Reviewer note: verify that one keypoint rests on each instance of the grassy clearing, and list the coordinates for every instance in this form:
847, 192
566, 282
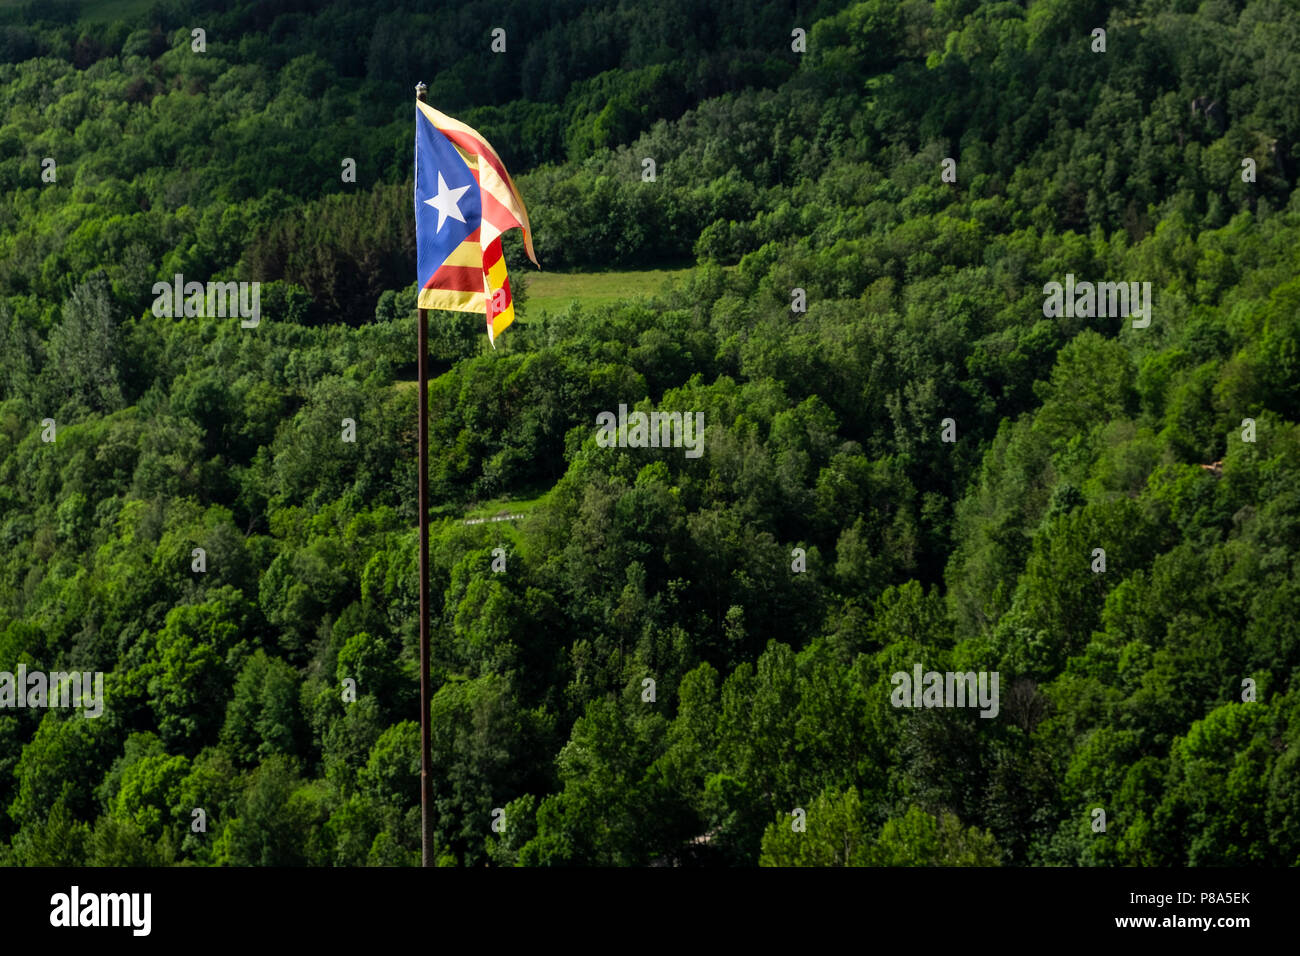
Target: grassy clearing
553, 291
506, 505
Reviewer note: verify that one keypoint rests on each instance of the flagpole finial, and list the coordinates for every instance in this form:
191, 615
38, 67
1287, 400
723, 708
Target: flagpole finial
420, 90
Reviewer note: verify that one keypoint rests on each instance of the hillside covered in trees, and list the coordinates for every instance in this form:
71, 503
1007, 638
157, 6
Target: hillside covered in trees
826, 538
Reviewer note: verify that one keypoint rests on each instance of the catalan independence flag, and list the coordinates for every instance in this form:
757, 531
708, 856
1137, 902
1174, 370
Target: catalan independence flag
464, 201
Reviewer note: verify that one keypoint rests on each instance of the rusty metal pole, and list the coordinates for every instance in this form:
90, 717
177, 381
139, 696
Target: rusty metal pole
426, 780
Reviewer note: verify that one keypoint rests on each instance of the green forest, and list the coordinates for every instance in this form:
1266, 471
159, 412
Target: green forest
678, 660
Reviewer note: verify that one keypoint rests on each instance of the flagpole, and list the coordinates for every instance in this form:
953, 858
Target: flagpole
426, 780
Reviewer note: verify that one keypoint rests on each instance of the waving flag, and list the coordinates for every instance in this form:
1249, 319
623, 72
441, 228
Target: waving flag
464, 201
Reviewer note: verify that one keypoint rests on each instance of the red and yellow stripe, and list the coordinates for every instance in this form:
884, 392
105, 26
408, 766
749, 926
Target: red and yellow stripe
496, 290
457, 285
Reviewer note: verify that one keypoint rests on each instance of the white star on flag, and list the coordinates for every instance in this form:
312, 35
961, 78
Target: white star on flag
447, 202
